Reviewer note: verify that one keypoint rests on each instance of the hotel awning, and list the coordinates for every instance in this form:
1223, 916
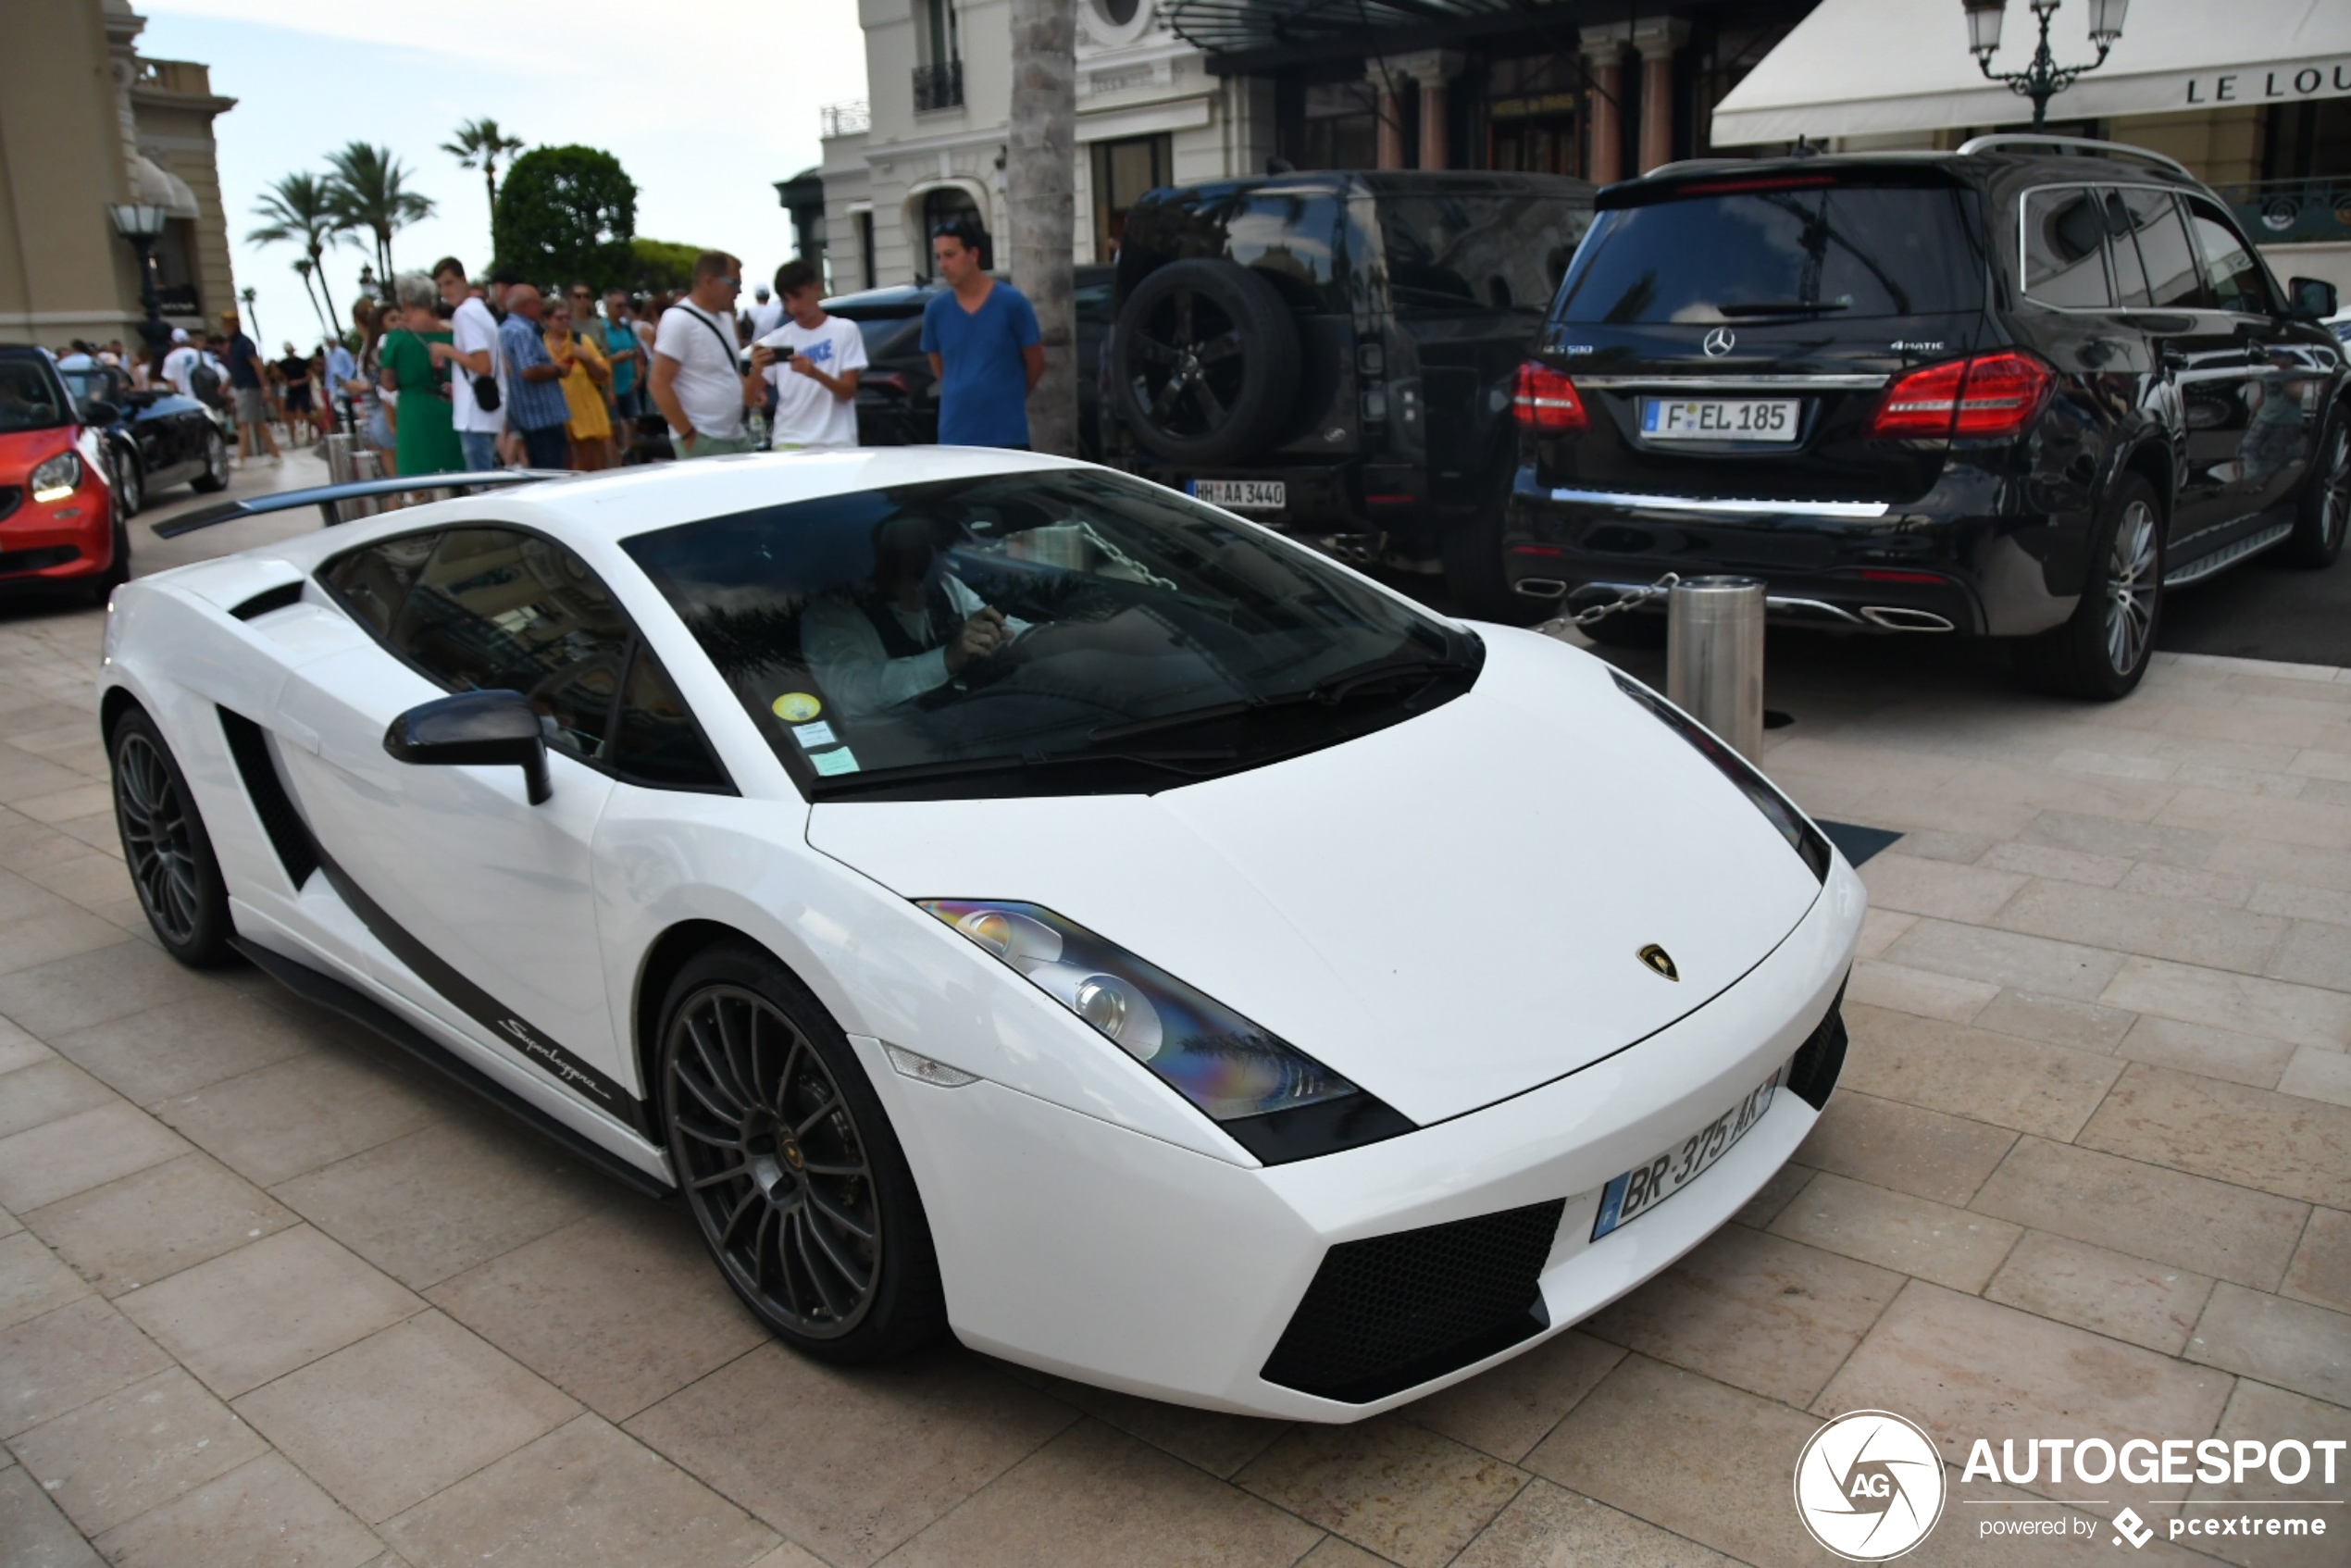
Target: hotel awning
1864, 68
1240, 36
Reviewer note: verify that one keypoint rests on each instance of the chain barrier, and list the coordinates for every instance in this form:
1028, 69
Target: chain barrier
1630, 598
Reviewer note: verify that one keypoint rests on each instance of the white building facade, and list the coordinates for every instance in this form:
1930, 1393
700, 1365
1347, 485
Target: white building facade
930, 141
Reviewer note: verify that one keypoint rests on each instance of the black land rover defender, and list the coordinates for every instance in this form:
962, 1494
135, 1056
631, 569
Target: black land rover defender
2022, 389
1334, 354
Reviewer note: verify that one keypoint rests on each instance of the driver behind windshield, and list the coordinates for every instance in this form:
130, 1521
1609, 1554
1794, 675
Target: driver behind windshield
916, 629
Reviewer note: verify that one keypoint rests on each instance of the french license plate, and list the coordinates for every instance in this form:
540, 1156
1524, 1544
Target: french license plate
1646, 1186
1241, 496
1719, 418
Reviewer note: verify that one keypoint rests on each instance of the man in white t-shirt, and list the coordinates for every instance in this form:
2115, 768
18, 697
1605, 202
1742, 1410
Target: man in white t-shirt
817, 384
698, 380
179, 362
474, 352
767, 311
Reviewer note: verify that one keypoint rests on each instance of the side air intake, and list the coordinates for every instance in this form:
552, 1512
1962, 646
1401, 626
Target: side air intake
289, 835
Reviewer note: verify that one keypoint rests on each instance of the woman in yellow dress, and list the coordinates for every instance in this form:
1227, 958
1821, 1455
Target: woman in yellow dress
586, 371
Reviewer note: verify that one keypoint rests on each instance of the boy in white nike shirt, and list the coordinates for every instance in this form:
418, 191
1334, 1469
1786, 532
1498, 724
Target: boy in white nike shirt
816, 386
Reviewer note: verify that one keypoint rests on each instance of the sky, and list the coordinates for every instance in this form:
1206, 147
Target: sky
705, 104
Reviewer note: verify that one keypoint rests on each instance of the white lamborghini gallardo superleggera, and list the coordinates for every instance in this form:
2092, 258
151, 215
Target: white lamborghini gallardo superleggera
999, 895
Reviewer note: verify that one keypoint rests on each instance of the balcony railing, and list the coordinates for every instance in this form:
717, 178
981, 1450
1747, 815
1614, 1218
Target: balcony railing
851, 118
2283, 211
939, 87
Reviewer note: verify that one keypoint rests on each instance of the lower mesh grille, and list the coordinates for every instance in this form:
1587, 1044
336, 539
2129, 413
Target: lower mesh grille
1389, 1311
1813, 1070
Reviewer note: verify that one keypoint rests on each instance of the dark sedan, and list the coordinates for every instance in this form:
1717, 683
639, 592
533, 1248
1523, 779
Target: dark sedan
154, 439
897, 403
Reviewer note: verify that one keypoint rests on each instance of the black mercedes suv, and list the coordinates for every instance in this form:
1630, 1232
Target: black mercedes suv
2017, 391
1333, 353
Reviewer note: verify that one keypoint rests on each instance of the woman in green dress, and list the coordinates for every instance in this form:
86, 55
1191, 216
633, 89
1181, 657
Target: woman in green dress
416, 365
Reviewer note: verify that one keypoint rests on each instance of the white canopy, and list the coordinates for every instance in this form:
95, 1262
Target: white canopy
1862, 68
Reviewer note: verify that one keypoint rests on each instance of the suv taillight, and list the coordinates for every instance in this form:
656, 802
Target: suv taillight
1992, 394
1546, 400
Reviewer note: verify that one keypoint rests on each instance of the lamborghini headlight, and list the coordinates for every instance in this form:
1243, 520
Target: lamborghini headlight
57, 477
1275, 1100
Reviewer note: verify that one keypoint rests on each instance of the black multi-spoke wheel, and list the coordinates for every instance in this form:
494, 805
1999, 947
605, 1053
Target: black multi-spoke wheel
2323, 512
1206, 362
788, 1164
2103, 650
164, 845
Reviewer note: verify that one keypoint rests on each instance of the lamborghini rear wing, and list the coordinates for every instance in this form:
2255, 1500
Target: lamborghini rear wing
325, 497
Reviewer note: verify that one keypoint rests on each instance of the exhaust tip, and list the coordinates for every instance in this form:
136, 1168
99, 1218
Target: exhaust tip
1541, 587
1898, 617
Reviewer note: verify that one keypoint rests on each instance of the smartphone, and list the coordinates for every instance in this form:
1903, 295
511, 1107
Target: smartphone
778, 351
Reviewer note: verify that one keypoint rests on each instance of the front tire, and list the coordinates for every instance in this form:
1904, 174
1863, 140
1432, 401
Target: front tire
214, 477
2322, 513
2102, 651
164, 845
130, 484
789, 1164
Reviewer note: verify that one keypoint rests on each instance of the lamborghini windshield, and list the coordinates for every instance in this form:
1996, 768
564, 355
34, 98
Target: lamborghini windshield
1068, 631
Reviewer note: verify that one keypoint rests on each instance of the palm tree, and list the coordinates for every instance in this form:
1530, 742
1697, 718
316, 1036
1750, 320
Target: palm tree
369, 189
304, 267
302, 208
478, 144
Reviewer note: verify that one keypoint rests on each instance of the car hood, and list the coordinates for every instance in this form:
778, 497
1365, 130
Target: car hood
1447, 911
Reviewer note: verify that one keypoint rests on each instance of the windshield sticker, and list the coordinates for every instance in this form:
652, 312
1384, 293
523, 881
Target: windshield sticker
796, 708
812, 736
831, 762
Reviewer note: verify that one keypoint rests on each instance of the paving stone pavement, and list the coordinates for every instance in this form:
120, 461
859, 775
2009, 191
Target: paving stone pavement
268, 1296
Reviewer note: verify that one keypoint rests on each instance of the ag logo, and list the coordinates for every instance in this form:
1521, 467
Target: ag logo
1869, 1485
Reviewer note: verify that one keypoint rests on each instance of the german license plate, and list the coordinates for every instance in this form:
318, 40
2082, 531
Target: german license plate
1241, 496
1719, 418
1646, 1186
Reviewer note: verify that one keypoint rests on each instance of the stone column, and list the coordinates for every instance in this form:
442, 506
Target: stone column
1658, 38
1391, 118
1603, 52
1435, 70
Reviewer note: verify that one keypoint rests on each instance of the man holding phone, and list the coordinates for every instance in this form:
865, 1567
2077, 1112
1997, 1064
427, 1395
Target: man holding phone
812, 360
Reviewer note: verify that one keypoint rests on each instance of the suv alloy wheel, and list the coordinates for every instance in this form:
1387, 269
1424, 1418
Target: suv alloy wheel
2102, 651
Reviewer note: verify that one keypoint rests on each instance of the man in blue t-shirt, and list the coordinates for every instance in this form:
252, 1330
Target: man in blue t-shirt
982, 340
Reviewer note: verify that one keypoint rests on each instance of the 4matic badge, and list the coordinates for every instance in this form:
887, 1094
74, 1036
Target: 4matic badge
1869, 1485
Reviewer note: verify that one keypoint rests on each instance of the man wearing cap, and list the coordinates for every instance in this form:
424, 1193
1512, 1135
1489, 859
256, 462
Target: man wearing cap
245, 380
180, 363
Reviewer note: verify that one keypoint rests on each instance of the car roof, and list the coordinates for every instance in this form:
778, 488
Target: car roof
2025, 161
622, 503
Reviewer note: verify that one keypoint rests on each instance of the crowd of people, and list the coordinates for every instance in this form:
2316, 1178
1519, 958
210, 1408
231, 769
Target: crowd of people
450, 374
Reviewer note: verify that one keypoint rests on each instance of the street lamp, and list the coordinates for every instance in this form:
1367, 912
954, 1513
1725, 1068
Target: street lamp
2043, 79
142, 225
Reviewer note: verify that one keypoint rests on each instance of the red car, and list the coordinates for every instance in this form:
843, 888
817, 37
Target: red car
57, 522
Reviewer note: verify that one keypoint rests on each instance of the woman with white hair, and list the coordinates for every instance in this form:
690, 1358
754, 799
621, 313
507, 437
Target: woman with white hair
415, 362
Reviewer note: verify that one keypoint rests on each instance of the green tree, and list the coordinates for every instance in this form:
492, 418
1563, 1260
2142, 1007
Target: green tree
566, 213
661, 266
478, 144
302, 208
369, 189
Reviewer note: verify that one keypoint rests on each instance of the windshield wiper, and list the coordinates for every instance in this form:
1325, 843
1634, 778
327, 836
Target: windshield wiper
1780, 307
888, 778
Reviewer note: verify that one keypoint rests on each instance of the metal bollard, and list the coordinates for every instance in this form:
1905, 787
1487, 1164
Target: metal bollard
365, 465
339, 447
1715, 657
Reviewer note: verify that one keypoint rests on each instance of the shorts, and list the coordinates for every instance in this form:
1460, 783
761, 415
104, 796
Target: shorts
251, 409
718, 446
629, 405
378, 429
298, 399
549, 448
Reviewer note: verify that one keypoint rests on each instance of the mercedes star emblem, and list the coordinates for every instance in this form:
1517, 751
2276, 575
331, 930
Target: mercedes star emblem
1720, 341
